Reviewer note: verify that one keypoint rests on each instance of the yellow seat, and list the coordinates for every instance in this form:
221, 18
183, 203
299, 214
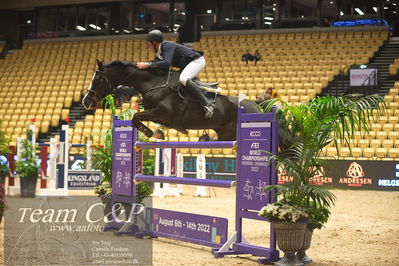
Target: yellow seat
381, 152
331, 152
388, 143
375, 143
368, 152
356, 152
382, 135
344, 152
393, 153
393, 135
388, 127
363, 143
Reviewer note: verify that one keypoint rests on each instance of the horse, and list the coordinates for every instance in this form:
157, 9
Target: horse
162, 102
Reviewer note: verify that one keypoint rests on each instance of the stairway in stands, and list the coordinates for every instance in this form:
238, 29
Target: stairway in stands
76, 113
382, 59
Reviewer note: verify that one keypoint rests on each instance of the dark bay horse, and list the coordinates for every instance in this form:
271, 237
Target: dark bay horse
162, 104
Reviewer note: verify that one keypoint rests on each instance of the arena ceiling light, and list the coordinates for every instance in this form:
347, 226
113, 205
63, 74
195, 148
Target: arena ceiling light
94, 27
269, 18
359, 11
78, 27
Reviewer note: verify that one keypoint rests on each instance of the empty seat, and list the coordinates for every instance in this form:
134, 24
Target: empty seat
368, 153
381, 152
356, 152
393, 153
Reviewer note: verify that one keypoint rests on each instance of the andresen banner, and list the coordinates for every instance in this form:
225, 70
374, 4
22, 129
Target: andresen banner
353, 174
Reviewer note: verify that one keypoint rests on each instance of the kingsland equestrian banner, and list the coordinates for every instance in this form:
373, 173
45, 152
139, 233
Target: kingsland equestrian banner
352, 174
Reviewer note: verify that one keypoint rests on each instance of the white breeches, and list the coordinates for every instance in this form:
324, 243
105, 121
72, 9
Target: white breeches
192, 70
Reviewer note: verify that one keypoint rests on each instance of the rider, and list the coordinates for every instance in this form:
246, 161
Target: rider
177, 55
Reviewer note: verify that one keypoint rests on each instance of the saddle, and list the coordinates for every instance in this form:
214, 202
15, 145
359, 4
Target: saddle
210, 90
212, 87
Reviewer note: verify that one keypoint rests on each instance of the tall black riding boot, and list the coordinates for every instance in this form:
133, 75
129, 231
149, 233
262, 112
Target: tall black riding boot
208, 106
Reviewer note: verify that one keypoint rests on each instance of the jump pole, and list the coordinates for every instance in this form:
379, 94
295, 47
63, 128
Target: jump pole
255, 132
57, 185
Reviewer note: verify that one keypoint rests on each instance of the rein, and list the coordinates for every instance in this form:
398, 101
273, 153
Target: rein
166, 85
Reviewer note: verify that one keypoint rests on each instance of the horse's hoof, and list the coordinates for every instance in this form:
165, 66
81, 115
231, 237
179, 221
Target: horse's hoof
158, 134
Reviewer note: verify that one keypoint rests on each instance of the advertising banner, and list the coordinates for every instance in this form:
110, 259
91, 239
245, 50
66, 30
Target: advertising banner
122, 163
357, 174
360, 77
189, 227
216, 167
83, 179
353, 174
254, 165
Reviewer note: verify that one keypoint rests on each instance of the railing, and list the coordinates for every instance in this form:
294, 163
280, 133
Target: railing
341, 88
371, 78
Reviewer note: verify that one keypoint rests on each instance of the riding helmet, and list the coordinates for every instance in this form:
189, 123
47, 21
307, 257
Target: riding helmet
155, 35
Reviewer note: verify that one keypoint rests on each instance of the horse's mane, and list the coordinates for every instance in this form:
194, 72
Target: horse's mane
120, 63
124, 64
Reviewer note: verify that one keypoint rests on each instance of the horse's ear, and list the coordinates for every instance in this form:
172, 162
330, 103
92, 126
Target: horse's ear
100, 64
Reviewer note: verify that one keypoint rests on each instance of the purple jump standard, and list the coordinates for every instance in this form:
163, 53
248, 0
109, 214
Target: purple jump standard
256, 132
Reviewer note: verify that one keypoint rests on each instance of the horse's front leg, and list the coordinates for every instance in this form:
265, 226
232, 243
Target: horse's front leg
153, 115
143, 128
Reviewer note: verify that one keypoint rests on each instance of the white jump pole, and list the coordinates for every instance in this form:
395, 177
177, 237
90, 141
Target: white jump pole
157, 186
16, 190
179, 171
89, 152
201, 174
32, 128
166, 190
166, 166
51, 189
63, 160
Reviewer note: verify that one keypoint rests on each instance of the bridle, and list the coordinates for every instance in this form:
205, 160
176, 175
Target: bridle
104, 77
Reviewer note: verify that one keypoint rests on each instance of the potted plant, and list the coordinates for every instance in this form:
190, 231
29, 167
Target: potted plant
305, 130
4, 151
27, 167
289, 221
102, 160
3, 203
4, 169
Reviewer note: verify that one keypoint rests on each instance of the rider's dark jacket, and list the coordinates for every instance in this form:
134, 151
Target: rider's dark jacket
175, 55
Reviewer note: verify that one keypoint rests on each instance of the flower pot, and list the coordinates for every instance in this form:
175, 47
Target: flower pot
290, 240
301, 255
28, 186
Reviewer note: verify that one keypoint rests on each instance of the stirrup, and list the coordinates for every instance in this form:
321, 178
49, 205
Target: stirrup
209, 111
